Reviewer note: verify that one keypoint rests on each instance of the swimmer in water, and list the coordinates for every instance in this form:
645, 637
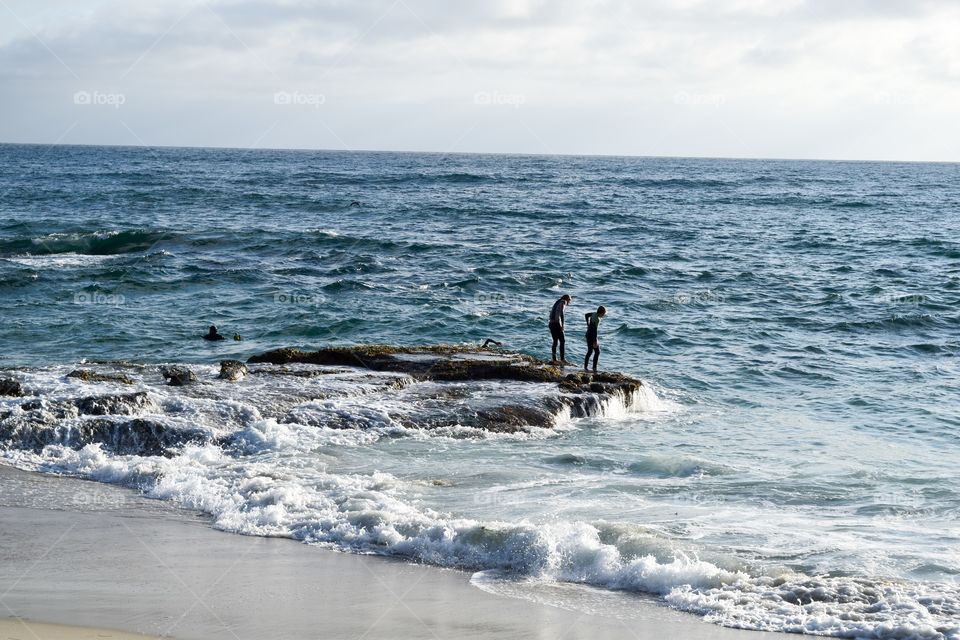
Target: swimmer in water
593, 340
212, 335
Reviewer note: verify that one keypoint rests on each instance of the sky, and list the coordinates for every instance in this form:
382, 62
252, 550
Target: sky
829, 79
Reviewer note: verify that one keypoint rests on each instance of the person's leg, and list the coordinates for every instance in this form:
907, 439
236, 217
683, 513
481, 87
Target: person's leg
557, 334
586, 359
563, 347
596, 356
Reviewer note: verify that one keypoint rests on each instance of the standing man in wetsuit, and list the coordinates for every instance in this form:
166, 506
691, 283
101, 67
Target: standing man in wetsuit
593, 340
556, 327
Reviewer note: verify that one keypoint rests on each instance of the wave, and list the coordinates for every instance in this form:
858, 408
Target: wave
367, 514
940, 248
329, 238
59, 261
96, 243
681, 183
633, 271
667, 466
787, 603
931, 245
895, 322
341, 285
852, 204
789, 372
646, 333
461, 177
654, 465
838, 606
320, 179
889, 273
246, 454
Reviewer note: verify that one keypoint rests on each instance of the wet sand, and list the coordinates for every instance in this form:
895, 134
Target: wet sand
19, 629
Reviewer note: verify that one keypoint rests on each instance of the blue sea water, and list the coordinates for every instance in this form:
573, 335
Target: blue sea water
798, 321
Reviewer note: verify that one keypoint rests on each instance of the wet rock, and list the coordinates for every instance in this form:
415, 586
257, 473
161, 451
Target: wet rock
127, 404
47, 411
578, 395
232, 370
296, 373
88, 375
454, 363
177, 376
42, 411
513, 418
11, 387
443, 362
140, 436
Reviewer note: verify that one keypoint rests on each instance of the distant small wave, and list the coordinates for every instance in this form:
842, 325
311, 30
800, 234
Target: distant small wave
96, 243
852, 204
342, 178
333, 239
461, 177
936, 247
677, 183
893, 323
634, 272
640, 332
347, 285
667, 466
796, 372
656, 466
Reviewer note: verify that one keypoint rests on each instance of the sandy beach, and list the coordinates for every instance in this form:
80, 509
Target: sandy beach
123, 562
17, 629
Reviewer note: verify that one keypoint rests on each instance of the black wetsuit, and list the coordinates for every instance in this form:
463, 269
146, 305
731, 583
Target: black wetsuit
213, 336
593, 339
556, 328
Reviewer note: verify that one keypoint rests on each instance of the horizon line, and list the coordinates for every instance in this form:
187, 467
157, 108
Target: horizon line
474, 153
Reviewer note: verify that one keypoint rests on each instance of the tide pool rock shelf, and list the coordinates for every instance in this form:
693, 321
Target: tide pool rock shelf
157, 410
542, 393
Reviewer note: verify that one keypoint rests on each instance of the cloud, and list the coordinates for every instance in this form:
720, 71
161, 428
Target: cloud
722, 78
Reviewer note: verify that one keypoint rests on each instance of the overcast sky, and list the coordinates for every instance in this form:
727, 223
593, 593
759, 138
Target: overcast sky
849, 79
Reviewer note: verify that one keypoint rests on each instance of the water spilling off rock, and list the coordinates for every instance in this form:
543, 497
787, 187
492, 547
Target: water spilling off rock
136, 409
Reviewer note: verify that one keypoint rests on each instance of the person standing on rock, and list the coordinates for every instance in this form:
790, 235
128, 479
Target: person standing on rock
556, 327
593, 339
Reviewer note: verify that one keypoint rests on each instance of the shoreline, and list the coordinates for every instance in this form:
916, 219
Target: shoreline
121, 561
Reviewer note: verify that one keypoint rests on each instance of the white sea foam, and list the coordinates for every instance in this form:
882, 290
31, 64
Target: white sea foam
367, 513
644, 400
59, 260
278, 477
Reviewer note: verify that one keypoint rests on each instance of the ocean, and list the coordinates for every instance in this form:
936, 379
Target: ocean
791, 465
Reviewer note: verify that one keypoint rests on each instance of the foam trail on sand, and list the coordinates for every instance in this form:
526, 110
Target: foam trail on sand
264, 456
369, 514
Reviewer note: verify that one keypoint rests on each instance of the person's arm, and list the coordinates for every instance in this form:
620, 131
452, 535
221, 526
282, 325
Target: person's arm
586, 317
